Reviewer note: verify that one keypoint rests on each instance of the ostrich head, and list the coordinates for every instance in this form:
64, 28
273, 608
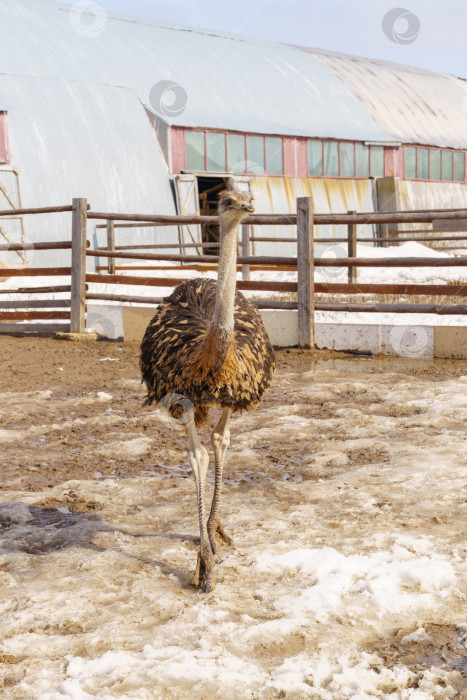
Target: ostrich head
235, 206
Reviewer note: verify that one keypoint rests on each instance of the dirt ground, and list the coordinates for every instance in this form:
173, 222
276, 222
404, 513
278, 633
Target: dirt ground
358, 458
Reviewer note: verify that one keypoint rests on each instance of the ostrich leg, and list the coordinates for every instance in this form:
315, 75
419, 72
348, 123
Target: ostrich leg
220, 442
199, 460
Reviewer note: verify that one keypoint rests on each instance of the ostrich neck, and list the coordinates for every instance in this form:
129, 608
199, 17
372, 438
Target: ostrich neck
223, 317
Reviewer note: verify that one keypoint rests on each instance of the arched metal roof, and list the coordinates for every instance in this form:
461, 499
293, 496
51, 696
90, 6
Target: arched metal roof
233, 82
417, 105
230, 82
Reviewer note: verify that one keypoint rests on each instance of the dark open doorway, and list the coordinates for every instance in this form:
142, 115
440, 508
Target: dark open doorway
209, 188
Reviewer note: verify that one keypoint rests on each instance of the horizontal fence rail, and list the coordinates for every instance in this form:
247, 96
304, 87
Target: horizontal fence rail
37, 290
37, 210
171, 220
29, 315
72, 310
291, 262
393, 308
271, 239
61, 245
399, 289
287, 219
35, 304
35, 271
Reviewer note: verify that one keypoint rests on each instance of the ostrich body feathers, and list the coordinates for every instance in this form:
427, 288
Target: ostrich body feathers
182, 353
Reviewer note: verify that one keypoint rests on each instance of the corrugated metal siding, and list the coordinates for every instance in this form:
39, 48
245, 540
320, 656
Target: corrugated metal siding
415, 194
416, 105
278, 196
406, 195
85, 141
11, 230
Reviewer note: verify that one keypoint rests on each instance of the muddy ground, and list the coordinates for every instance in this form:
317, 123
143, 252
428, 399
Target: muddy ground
350, 457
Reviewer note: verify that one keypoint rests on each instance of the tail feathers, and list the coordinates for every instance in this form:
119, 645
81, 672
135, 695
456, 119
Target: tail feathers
179, 407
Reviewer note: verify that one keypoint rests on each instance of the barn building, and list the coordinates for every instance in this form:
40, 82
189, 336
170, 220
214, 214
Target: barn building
139, 116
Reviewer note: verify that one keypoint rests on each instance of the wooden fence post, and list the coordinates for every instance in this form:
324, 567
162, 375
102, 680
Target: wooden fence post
245, 250
305, 273
352, 249
111, 245
78, 266
386, 235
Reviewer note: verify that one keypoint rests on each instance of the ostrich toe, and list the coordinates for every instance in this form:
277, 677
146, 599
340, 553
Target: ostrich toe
204, 574
217, 533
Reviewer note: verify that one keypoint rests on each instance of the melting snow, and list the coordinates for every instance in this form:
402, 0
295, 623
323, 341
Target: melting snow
95, 601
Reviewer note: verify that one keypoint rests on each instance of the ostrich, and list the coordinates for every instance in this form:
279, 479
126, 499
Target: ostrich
207, 345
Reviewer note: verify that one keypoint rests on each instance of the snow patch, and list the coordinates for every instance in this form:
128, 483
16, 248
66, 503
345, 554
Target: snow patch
383, 583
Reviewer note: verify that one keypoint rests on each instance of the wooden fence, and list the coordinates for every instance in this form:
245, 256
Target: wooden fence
305, 262
54, 311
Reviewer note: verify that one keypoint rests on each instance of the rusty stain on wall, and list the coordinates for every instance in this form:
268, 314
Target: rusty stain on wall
278, 195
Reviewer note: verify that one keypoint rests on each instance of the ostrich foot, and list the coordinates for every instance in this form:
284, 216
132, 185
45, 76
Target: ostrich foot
204, 574
217, 532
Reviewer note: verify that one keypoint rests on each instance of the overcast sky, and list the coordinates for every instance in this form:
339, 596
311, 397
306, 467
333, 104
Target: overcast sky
426, 33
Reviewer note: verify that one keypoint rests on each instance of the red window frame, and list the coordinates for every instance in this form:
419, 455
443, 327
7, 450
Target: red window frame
241, 133
339, 164
4, 150
397, 158
429, 149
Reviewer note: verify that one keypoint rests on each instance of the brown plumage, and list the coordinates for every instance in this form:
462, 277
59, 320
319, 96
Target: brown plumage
176, 356
207, 345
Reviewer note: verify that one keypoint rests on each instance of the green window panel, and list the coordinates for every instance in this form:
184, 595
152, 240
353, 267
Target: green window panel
347, 155
410, 162
236, 153
331, 158
216, 152
274, 156
194, 151
315, 157
422, 164
447, 165
377, 160
459, 167
362, 158
435, 164
255, 149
